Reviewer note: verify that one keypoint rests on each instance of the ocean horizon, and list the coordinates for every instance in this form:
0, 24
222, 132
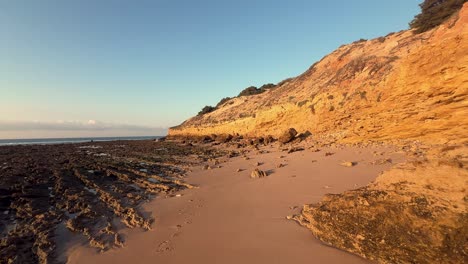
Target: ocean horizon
50, 141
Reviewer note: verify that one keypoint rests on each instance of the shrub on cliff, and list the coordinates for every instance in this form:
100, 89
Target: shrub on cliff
252, 90
267, 86
225, 99
207, 109
434, 13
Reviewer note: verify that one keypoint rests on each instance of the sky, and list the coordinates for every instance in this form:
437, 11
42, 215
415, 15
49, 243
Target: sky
131, 68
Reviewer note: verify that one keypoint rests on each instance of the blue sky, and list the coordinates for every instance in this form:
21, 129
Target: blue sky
152, 64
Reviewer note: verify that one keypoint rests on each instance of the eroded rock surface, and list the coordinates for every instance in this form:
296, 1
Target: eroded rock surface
85, 187
414, 213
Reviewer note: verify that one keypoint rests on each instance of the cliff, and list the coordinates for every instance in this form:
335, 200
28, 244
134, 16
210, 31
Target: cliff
406, 89
401, 86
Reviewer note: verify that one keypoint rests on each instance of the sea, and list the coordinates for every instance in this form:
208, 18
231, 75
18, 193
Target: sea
48, 141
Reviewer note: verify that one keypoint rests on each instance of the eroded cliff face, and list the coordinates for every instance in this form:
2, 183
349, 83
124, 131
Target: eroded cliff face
401, 86
404, 89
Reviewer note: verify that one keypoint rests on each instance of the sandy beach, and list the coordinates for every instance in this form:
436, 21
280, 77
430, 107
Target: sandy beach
232, 218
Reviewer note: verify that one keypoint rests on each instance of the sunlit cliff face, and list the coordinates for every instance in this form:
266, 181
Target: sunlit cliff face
401, 86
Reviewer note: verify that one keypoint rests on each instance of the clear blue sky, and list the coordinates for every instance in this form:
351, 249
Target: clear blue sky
155, 63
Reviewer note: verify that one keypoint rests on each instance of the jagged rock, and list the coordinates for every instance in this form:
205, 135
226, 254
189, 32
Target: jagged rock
348, 163
224, 138
287, 136
258, 174
269, 139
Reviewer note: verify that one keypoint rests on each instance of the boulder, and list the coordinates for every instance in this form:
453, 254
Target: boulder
287, 136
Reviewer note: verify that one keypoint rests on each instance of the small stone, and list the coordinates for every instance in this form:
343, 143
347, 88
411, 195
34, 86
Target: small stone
348, 163
295, 149
280, 165
258, 174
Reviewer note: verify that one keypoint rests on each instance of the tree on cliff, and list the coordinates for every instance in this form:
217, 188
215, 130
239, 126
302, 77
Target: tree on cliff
434, 13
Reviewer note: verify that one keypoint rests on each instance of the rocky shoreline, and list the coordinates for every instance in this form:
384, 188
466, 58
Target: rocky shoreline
86, 187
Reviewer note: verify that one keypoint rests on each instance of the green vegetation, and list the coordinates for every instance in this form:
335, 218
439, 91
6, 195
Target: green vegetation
207, 109
225, 99
434, 13
252, 90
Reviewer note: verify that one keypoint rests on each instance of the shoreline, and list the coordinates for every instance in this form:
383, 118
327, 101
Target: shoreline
76, 140
232, 218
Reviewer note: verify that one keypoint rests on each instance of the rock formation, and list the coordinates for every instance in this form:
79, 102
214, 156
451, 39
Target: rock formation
404, 89
401, 86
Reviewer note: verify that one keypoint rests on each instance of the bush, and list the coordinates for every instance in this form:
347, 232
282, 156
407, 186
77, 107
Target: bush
252, 90
267, 86
434, 13
225, 99
207, 109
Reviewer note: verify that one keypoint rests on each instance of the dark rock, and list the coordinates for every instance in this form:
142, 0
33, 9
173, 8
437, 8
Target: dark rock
224, 138
287, 136
269, 139
304, 135
259, 140
295, 149
162, 139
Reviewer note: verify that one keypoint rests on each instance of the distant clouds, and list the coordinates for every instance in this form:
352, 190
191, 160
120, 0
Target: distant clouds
90, 128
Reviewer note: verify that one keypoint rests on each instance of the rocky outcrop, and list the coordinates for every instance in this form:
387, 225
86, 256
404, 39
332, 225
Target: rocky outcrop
85, 188
415, 213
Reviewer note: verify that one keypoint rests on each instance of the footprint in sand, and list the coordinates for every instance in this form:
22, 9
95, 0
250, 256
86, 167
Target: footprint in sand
165, 246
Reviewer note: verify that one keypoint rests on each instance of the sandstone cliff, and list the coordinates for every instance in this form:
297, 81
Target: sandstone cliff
401, 86
406, 89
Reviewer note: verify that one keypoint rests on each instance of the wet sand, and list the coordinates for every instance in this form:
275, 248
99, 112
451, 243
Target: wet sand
232, 218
